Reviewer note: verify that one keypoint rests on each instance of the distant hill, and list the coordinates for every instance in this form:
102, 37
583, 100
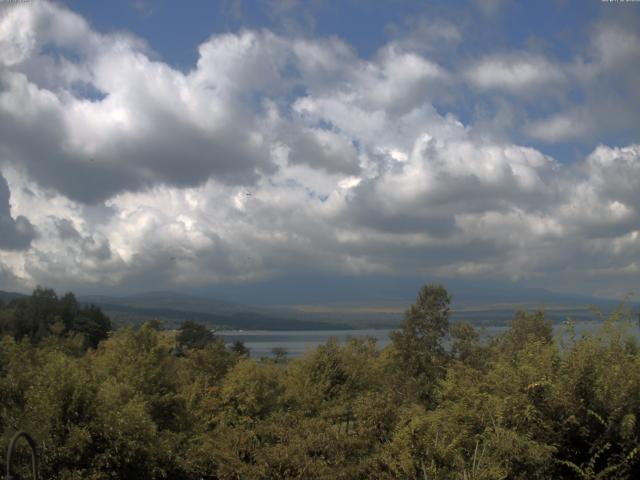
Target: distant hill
489, 315
168, 300
380, 301
8, 296
388, 291
471, 303
173, 308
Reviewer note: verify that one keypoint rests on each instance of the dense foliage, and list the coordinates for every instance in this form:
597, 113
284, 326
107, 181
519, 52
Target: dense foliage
44, 314
440, 402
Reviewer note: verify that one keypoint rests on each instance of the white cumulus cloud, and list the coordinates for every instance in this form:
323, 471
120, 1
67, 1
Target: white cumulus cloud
277, 155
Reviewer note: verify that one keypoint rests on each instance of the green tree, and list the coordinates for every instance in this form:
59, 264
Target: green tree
194, 335
466, 346
279, 354
418, 345
526, 327
239, 348
44, 314
92, 324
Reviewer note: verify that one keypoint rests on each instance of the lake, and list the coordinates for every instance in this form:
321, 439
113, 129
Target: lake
297, 342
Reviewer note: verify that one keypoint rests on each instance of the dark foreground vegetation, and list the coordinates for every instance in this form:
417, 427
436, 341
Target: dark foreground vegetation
146, 403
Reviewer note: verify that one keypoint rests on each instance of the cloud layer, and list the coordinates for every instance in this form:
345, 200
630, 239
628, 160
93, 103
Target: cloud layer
277, 155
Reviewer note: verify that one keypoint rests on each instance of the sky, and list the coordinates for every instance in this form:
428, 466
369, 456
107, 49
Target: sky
205, 145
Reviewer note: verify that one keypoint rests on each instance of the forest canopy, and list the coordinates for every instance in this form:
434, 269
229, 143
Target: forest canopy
44, 314
441, 401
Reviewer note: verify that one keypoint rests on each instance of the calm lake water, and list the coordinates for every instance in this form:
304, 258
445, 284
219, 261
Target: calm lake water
297, 342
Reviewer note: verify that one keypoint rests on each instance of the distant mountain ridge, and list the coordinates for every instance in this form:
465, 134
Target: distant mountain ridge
470, 303
167, 300
387, 291
8, 296
173, 308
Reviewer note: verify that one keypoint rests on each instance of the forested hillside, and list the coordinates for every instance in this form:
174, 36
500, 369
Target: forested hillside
147, 403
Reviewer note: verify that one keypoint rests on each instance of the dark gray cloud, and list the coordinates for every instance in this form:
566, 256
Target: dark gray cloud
324, 150
168, 150
66, 229
15, 233
8, 280
89, 246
